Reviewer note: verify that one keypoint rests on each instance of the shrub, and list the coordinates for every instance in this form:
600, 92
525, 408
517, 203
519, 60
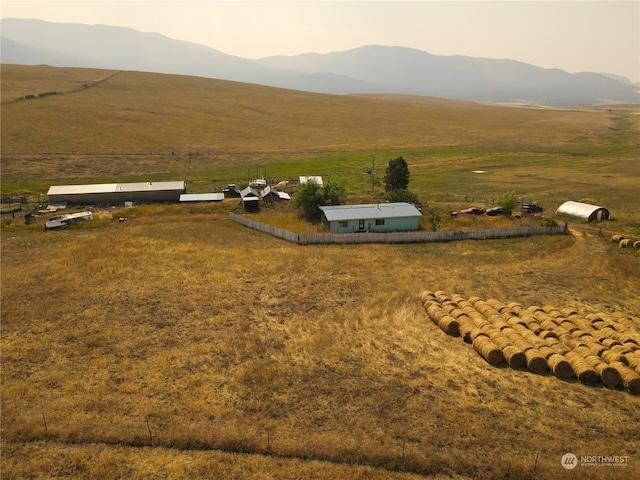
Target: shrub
548, 222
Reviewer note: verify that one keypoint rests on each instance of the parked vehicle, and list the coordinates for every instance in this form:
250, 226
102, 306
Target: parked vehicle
492, 212
531, 208
473, 211
231, 191
60, 221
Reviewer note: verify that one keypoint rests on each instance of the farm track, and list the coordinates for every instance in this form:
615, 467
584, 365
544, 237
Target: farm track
595, 348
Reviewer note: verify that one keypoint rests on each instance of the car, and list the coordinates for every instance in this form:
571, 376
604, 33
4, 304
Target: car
531, 208
473, 211
492, 212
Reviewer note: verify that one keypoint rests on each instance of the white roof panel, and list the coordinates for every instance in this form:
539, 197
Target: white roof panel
82, 189
202, 197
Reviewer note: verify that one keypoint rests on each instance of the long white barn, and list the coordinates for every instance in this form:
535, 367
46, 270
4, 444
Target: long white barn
117, 192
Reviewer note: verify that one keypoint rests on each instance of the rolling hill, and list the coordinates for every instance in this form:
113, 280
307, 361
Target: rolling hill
369, 69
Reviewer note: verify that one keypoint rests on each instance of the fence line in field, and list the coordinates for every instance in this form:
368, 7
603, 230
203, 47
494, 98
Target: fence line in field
397, 237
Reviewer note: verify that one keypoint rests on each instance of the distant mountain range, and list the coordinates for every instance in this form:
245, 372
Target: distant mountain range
368, 69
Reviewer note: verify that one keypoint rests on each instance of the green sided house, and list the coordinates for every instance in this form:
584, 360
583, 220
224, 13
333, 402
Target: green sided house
375, 217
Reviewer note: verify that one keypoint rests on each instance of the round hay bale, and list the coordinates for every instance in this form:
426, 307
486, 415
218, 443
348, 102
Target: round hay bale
465, 331
609, 376
488, 350
551, 310
625, 338
435, 312
496, 305
567, 311
548, 324
630, 378
610, 356
484, 308
477, 332
534, 308
456, 297
636, 244
548, 334
479, 321
626, 243
521, 344
596, 348
558, 347
582, 350
582, 370
608, 342
560, 367
568, 326
514, 357
426, 296
500, 340
616, 238
450, 325
545, 351
473, 299
513, 321
515, 307
535, 362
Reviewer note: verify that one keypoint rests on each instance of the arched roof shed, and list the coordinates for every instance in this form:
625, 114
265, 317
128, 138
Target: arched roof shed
583, 210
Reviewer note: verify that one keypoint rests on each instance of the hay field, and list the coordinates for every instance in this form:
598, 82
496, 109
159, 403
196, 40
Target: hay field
227, 339
180, 344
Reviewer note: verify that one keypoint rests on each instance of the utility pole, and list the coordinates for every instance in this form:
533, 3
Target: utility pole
373, 169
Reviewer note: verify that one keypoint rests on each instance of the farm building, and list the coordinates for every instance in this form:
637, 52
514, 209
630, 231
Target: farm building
315, 179
117, 192
269, 194
383, 217
583, 210
250, 199
202, 197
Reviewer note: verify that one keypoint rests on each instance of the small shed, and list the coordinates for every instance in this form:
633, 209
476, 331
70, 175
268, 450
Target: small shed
375, 217
584, 211
270, 194
250, 199
314, 178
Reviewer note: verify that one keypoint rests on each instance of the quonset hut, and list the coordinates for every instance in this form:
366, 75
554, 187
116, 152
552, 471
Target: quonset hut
584, 211
117, 192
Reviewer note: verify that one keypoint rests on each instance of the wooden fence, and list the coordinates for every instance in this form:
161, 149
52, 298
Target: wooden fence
398, 237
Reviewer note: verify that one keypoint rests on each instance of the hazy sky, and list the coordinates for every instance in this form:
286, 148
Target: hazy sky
576, 36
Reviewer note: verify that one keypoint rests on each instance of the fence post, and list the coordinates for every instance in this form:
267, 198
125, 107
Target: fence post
46, 430
149, 429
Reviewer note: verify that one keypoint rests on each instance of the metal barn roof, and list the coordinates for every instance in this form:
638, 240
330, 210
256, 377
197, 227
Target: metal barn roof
115, 188
369, 211
202, 197
583, 210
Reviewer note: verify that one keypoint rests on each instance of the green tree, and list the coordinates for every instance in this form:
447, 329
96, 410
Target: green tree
397, 175
310, 196
508, 201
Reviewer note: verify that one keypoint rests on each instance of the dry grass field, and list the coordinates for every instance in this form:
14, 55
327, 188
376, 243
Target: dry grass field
179, 344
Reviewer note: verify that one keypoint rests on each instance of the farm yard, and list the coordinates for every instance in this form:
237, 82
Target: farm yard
181, 344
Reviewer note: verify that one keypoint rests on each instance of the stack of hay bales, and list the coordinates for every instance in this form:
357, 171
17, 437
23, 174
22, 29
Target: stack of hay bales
592, 347
624, 242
